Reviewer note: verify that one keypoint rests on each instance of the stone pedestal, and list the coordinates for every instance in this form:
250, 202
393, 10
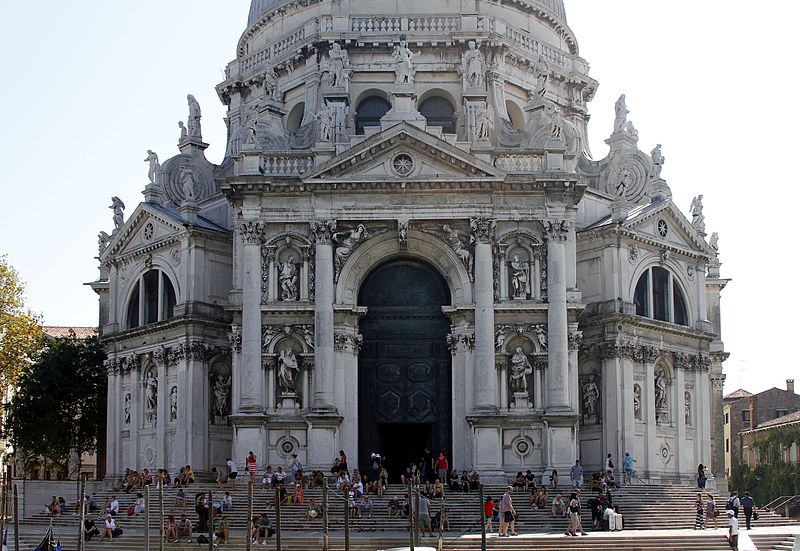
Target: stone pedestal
288, 401
522, 402
404, 110
270, 132
188, 211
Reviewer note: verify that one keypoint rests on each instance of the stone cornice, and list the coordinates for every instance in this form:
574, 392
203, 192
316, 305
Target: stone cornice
631, 320
173, 323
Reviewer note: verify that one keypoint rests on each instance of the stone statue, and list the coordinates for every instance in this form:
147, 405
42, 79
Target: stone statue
404, 67
187, 183
103, 239
402, 231
151, 398
118, 207
481, 124
620, 114
251, 131
184, 132
222, 387
658, 161
687, 408
473, 65
661, 391
542, 75
500, 335
347, 241
127, 412
155, 166
308, 337
541, 335
520, 369
173, 403
193, 123
340, 60
637, 401
631, 130
556, 124
590, 396
520, 277
288, 279
271, 90
453, 238
325, 124
698, 220
287, 371
624, 182
713, 242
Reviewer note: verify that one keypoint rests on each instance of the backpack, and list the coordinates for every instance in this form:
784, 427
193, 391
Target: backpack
730, 502
202, 539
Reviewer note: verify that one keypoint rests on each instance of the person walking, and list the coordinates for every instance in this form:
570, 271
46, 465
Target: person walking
699, 507
488, 512
749, 505
628, 466
733, 504
701, 476
711, 511
733, 530
576, 474
507, 513
251, 463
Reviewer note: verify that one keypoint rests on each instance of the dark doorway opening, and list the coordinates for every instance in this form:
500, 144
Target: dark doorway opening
404, 365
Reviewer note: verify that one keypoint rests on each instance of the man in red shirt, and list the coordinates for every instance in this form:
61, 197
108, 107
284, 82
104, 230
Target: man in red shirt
442, 467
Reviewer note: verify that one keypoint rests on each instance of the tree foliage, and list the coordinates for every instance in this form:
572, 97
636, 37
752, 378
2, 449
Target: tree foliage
20, 331
59, 405
774, 477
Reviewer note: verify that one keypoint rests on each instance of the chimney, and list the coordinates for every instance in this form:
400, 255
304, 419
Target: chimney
790, 385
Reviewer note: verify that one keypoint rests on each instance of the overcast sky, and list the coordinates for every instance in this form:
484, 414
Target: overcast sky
90, 85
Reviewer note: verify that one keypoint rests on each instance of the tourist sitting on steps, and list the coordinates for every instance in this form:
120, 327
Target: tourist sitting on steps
519, 481
313, 511
90, 529
171, 529
110, 529
559, 509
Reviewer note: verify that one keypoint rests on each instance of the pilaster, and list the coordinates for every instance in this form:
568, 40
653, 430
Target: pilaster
484, 361
250, 380
557, 352
323, 317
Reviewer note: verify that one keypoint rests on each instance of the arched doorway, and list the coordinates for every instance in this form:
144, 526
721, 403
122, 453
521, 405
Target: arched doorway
404, 369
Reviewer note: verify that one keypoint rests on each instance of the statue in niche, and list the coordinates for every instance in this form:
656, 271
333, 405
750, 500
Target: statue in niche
520, 369
637, 401
453, 238
620, 114
481, 124
590, 396
347, 241
473, 65
658, 161
184, 132
541, 335
325, 124
340, 60
151, 398
173, 403
288, 279
660, 384
103, 239
624, 182
687, 408
127, 411
154, 166
287, 371
404, 63
193, 124
542, 75
520, 277
186, 174
714, 241
222, 388
118, 207
698, 220
270, 82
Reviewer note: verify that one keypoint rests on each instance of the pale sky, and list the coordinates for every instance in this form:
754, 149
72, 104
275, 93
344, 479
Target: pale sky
90, 85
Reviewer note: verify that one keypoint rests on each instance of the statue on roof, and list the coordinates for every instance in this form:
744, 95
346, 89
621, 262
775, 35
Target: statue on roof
620, 114
473, 65
155, 166
103, 239
193, 123
713, 242
118, 207
187, 183
698, 220
184, 132
404, 69
542, 75
658, 162
271, 90
339, 61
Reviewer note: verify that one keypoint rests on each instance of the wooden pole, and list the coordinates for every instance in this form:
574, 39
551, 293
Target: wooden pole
278, 518
249, 539
325, 514
82, 514
16, 519
3, 509
416, 516
210, 521
411, 526
483, 520
442, 511
347, 519
161, 534
147, 517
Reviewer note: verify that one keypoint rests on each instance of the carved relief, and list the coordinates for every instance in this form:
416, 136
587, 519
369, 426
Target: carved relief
557, 230
251, 231
346, 242
348, 341
235, 338
323, 230
300, 332
453, 237
483, 229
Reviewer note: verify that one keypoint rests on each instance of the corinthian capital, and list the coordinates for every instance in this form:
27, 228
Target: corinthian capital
323, 230
556, 230
483, 229
251, 232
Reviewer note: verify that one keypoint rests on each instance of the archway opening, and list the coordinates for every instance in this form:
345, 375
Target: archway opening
404, 365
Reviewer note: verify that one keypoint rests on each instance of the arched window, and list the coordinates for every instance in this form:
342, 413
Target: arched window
370, 111
439, 112
658, 296
515, 115
152, 300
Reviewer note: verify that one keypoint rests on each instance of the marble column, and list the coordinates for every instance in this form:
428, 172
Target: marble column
679, 419
651, 462
557, 348
323, 316
485, 375
115, 418
250, 379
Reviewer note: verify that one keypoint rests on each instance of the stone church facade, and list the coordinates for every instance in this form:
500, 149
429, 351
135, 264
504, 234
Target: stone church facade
408, 244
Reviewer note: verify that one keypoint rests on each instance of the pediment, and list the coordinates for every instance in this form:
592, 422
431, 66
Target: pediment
149, 228
666, 225
404, 154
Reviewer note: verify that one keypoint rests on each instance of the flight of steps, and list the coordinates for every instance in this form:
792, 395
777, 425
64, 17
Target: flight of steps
773, 542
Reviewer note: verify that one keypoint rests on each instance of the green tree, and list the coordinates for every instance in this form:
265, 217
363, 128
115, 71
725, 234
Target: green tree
59, 405
20, 331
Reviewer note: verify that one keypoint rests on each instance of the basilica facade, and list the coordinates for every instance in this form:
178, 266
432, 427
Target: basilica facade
408, 245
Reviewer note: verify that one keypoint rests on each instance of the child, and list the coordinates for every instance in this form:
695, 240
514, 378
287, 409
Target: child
488, 513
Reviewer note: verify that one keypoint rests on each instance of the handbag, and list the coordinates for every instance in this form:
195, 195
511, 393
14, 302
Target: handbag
755, 515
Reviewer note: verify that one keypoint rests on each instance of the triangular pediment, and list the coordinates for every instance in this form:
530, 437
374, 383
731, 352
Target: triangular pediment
406, 154
665, 224
149, 227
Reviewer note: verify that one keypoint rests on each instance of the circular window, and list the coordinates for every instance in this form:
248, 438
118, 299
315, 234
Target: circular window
149, 231
287, 446
403, 164
662, 228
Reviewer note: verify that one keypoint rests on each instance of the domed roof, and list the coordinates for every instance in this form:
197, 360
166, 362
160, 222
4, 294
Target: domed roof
260, 7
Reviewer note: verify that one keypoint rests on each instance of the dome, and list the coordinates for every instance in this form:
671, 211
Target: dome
260, 7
